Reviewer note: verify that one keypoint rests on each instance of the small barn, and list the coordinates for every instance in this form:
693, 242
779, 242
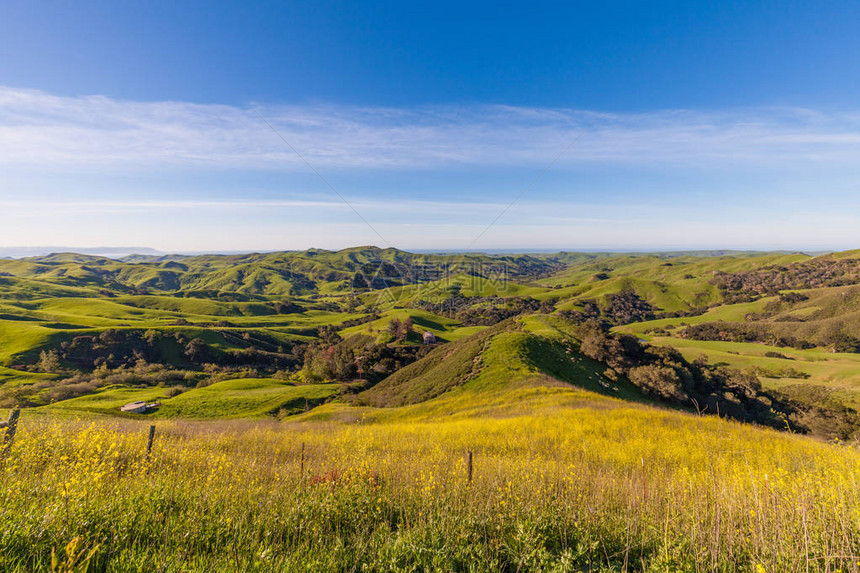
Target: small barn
429, 338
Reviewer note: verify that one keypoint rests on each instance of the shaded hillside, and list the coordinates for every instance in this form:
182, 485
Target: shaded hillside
825, 317
446, 367
545, 350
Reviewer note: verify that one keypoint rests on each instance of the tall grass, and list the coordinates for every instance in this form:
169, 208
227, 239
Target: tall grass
587, 489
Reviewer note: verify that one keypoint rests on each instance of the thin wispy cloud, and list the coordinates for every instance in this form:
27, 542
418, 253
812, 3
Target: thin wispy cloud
404, 206
37, 128
187, 176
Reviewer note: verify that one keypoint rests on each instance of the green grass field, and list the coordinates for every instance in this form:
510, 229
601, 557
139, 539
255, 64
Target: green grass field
562, 479
243, 398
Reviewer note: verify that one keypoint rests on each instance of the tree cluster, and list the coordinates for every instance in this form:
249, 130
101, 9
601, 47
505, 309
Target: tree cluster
400, 329
486, 311
356, 357
114, 348
663, 373
814, 273
624, 307
742, 332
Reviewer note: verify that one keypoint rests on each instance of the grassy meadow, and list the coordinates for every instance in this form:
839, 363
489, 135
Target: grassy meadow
563, 480
242, 398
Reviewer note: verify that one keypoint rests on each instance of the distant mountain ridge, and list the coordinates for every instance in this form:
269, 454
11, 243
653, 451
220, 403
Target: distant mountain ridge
110, 252
147, 254
277, 274
318, 271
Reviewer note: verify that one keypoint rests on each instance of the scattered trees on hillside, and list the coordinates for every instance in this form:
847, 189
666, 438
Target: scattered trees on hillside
114, 348
663, 373
485, 311
833, 336
840, 341
623, 307
626, 307
81, 383
285, 307
814, 273
400, 329
356, 357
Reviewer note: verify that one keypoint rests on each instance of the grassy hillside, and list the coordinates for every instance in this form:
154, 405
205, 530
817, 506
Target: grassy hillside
531, 351
243, 398
262, 275
446, 367
64, 316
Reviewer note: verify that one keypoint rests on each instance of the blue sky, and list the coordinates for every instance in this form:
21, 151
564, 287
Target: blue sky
614, 125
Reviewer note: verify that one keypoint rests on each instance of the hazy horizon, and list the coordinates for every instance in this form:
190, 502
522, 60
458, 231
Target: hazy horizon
120, 251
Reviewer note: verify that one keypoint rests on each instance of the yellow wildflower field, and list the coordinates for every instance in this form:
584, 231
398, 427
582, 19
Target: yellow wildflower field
567, 482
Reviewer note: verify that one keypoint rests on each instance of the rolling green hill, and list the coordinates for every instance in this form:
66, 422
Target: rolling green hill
71, 325
243, 398
533, 350
293, 273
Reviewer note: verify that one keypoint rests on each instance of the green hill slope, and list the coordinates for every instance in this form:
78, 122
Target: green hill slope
545, 351
244, 398
534, 350
291, 273
267, 313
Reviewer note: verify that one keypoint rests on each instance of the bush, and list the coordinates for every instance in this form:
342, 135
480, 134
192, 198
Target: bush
660, 381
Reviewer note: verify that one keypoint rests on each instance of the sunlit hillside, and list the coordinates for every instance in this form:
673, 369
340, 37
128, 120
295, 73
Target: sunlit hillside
562, 479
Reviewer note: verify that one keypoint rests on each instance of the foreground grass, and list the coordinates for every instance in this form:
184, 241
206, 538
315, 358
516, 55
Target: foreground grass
592, 487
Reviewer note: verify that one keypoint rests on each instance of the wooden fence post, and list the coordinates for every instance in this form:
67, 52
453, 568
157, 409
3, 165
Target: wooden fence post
469, 466
302, 463
11, 428
149, 441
